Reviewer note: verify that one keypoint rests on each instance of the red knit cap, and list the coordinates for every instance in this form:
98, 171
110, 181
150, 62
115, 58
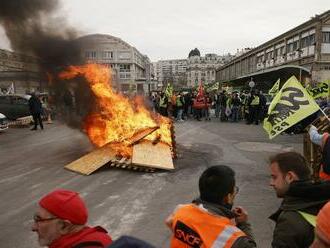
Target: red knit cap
66, 205
323, 220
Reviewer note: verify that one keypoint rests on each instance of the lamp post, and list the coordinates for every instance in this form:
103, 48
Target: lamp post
251, 84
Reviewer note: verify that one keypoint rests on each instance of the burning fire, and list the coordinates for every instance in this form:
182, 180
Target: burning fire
118, 118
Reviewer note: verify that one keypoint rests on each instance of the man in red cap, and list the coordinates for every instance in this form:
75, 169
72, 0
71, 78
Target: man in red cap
61, 223
322, 230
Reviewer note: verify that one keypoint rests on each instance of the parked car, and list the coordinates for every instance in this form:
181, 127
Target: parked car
3, 122
15, 106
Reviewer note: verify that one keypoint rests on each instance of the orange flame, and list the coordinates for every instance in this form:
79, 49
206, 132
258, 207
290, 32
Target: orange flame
118, 118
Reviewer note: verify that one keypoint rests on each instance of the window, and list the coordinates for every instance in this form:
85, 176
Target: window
325, 37
90, 54
124, 68
312, 40
295, 45
269, 55
20, 100
107, 54
289, 47
304, 42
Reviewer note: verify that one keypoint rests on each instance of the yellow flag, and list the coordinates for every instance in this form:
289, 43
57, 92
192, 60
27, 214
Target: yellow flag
169, 90
321, 90
276, 87
210, 88
291, 104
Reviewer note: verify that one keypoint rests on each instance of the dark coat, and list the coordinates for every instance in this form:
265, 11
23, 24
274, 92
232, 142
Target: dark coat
292, 230
129, 242
35, 105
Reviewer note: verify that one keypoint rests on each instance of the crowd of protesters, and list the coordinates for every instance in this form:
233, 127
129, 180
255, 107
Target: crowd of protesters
250, 107
211, 219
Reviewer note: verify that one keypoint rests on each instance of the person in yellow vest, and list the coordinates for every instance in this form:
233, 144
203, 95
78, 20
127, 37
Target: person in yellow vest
210, 221
179, 107
303, 198
254, 108
324, 142
322, 229
163, 101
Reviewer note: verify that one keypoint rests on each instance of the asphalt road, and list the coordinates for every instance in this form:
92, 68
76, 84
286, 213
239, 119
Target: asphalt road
129, 202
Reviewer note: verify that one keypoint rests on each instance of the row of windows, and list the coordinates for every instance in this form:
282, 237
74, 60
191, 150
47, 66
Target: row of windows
290, 47
107, 55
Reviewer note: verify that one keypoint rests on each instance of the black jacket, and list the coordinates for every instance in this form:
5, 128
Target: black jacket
130, 242
35, 105
241, 242
292, 230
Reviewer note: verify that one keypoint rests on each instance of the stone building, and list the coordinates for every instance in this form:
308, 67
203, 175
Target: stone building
171, 71
203, 68
303, 51
21, 71
189, 72
131, 70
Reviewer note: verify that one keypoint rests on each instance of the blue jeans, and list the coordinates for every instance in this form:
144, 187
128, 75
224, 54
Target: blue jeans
179, 114
234, 113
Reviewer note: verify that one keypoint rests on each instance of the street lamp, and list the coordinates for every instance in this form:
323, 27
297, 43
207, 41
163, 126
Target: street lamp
252, 83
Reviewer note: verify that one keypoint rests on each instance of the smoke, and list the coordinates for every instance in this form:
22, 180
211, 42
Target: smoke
32, 27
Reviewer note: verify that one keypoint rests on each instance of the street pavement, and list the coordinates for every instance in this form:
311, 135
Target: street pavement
129, 202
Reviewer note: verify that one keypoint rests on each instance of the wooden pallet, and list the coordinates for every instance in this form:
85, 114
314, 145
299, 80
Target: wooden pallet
94, 160
126, 164
157, 156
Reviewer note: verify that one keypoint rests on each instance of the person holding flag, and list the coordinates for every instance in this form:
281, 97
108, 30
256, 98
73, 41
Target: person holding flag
199, 102
323, 141
291, 105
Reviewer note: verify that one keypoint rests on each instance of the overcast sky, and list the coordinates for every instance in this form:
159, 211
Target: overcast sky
169, 29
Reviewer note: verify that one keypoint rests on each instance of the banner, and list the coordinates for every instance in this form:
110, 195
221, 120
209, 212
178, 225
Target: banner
321, 90
291, 104
200, 93
169, 90
276, 87
199, 102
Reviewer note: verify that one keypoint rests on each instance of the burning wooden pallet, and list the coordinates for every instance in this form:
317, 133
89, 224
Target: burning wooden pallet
146, 156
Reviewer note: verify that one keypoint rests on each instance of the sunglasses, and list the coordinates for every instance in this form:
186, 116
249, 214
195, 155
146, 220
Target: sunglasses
38, 219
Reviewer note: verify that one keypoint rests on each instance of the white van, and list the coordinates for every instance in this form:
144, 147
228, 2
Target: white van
3, 122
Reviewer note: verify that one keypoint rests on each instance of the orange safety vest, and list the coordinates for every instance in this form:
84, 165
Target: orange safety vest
322, 174
193, 226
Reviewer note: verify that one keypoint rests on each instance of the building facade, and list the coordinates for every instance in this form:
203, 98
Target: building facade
171, 71
303, 51
191, 71
20, 71
131, 70
202, 69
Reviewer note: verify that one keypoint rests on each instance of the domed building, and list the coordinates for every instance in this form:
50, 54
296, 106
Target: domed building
202, 69
131, 69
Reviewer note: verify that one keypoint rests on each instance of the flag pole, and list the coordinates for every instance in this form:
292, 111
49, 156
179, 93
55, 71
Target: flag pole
325, 115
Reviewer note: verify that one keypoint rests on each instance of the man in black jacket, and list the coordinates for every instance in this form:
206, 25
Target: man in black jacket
36, 110
291, 179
